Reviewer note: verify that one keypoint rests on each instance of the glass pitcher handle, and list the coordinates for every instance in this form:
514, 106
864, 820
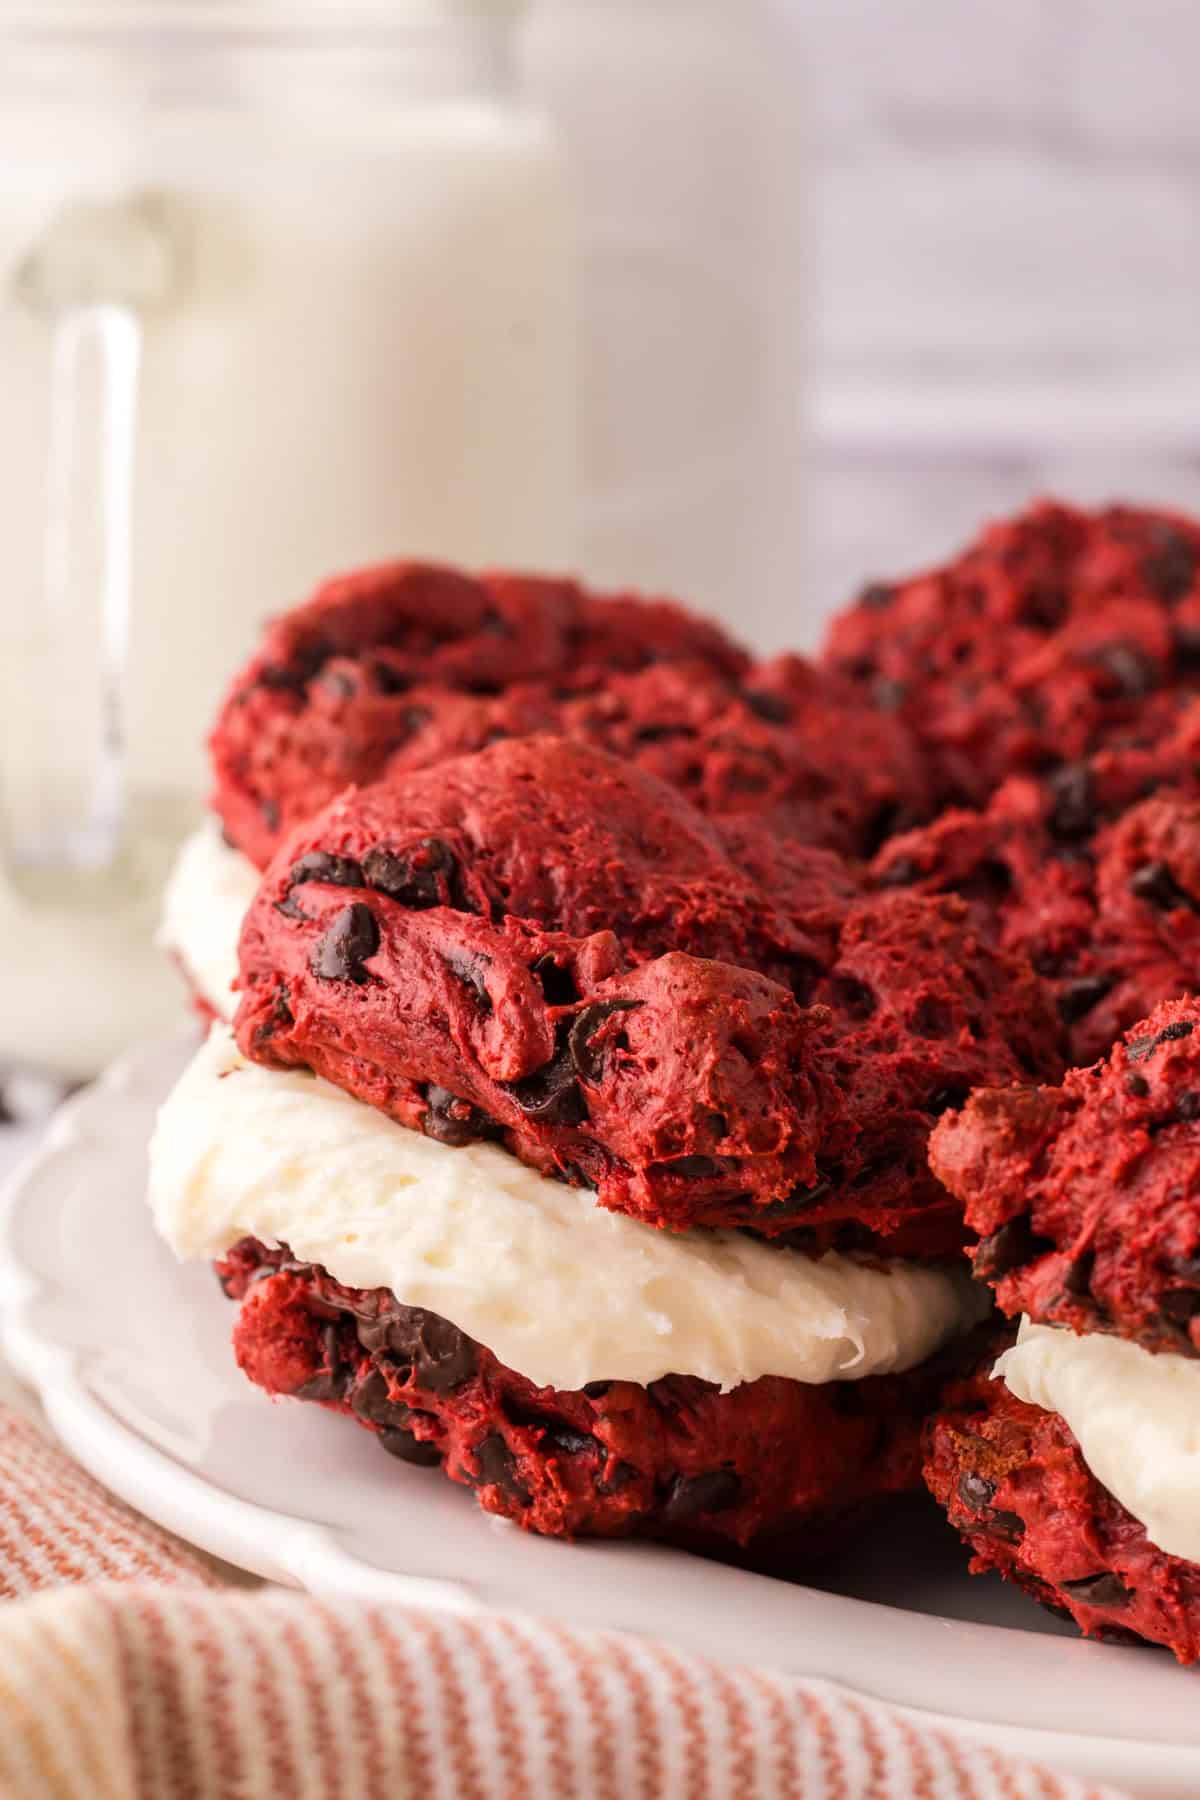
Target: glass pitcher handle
94, 276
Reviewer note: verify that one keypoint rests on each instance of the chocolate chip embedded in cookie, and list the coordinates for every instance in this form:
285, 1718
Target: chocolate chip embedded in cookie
774, 1469
1083, 1196
1053, 635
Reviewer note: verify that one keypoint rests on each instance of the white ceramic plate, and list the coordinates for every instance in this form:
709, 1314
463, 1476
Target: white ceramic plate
130, 1354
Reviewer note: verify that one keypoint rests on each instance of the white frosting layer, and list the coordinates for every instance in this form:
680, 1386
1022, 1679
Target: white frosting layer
1136, 1417
206, 899
557, 1288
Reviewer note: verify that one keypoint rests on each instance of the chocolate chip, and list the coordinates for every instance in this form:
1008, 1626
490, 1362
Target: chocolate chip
690, 1497
1008, 1526
1131, 673
853, 997
1137, 1085
1072, 802
1155, 884
551, 1094
877, 596
440, 1356
558, 984
1171, 1034
294, 676
456, 1122
319, 865
1106, 1590
1180, 1305
1011, 1247
1170, 568
371, 1400
418, 876
618, 1481
469, 970
901, 873
345, 947
597, 1390
947, 1099
771, 707
1044, 607
1187, 1106
975, 1491
573, 1443
389, 680
407, 1447
589, 1060
1077, 1277
498, 1468
1078, 998
695, 1168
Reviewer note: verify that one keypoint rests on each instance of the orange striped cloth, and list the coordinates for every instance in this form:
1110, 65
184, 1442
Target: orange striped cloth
129, 1669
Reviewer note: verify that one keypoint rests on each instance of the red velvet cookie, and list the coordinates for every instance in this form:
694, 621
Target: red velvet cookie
774, 1470
1080, 873
360, 683
1087, 1196
1053, 635
553, 948
1014, 1483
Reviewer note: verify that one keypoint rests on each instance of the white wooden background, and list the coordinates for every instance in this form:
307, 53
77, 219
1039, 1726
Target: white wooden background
1008, 236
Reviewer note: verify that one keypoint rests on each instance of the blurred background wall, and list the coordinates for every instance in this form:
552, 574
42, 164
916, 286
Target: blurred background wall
1007, 204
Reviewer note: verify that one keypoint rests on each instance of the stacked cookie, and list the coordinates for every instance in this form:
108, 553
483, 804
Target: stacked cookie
599, 993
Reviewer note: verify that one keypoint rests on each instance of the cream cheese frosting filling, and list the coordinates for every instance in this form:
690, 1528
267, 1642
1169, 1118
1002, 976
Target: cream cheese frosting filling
1135, 1415
206, 898
557, 1288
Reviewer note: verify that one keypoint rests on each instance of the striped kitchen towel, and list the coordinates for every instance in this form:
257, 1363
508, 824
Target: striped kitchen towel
129, 1667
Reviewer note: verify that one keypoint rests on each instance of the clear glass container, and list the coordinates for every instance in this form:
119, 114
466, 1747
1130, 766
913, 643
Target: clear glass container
284, 287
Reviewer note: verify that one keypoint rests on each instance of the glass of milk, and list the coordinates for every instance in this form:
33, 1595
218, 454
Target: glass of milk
285, 286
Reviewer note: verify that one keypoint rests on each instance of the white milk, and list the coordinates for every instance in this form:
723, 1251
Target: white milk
343, 277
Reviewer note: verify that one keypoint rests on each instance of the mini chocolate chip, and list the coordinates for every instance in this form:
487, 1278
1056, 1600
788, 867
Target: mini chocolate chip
853, 997
1138, 1049
1155, 884
975, 1491
345, 947
1172, 1034
1011, 1247
469, 970
1008, 1526
877, 596
319, 865
558, 984
771, 707
1170, 567
418, 876
1106, 1590
589, 1060
695, 1168
440, 1356
597, 1390
1137, 1085
1131, 672
408, 1448
1077, 999
551, 1094
1044, 607
689, 1497
902, 873
498, 1468
618, 1481
573, 1443
1072, 798
1180, 1305
1077, 1277
389, 680
455, 1122
948, 1098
